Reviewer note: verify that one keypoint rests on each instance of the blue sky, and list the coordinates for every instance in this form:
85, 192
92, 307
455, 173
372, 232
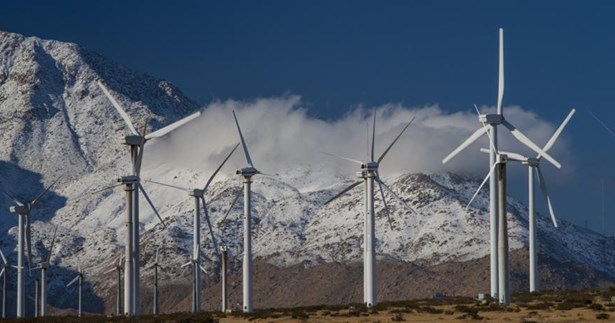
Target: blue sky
340, 54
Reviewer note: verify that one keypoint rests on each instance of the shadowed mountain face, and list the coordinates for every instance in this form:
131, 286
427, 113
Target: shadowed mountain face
55, 121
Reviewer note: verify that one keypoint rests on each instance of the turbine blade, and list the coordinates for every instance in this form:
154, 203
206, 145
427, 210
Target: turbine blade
144, 129
479, 132
211, 230
340, 157
557, 132
386, 207
163, 131
3, 257
157, 255
481, 185
149, 201
186, 264
243, 142
73, 281
373, 135
231, 207
110, 271
501, 73
394, 141
11, 198
53, 240
399, 199
2, 271
545, 193
353, 185
119, 109
526, 141
168, 185
211, 178
602, 123
38, 198
29, 240
203, 269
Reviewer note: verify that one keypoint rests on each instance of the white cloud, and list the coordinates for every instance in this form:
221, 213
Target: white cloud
281, 136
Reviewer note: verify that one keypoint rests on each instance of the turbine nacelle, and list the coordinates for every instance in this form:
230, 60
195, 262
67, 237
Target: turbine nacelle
197, 193
131, 179
247, 171
20, 209
370, 166
134, 140
492, 119
534, 162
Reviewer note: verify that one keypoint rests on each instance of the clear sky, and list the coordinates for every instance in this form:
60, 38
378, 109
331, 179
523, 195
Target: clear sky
339, 54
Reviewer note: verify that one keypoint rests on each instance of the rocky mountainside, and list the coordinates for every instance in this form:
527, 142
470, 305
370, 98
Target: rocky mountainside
55, 121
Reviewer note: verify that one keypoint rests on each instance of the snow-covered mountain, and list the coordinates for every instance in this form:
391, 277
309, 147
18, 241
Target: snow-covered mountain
55, 121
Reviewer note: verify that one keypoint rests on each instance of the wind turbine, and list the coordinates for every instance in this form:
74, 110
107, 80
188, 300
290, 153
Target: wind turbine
534, 169
4, 273
43, 265
155, 265
132, 183
246, 172
369, 174
118, 269
78, 278
23, 212
489, 126
199, 196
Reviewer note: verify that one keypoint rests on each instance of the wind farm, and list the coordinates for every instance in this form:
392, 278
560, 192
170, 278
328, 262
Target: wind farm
368, 193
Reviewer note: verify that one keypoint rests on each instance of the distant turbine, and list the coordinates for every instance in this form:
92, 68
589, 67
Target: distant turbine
369, 174
155, 265
78, 278
199, 196
23, 211
132, 183
247, 173
490, 123
224, 251
43, 265
118, 269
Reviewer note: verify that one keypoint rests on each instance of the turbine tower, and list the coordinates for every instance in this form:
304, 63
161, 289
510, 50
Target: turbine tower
224, 250
490, 123
43, 265
368, 175
132, 183
4, 273
247, 173
23, 238
78, 278
195, 262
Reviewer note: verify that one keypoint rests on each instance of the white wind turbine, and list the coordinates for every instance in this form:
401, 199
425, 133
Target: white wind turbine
195, 262
118, 268
132, 183
534, 169
4, 273
369, 174
490, 123
24, 237
78, 278
247, 173
43, 265
155, 265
